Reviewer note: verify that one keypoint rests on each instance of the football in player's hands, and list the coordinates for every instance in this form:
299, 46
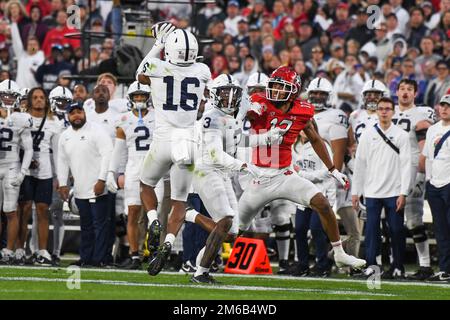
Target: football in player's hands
160, 30
341, 178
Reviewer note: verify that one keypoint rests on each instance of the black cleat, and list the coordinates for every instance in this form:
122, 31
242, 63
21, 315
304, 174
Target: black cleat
393, 274
56, 261
441, 276
297, 270
320, 273
422, 274
204, 278
157, 263
283, 267
131, 264
153, 235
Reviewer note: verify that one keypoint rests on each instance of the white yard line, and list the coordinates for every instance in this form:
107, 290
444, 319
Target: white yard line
219, 275
215, 287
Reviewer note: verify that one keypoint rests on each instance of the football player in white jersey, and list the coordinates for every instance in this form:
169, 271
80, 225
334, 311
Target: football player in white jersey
37, 186
365, 117
22, 101
178, 84
333, 128
60, 98
215, 161
15, 133
133, 137
415, 121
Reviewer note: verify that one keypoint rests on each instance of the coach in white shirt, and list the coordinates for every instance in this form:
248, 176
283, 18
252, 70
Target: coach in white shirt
383, 176
437, 153
85, 149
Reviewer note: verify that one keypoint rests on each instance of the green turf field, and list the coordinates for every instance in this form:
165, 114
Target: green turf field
51, 283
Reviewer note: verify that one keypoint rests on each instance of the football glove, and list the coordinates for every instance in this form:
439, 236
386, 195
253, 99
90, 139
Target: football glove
111, 183
419, 185
160, 31
275, 136
341, 178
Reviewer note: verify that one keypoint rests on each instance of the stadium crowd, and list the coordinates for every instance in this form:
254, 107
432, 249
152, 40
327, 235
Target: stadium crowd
339, 41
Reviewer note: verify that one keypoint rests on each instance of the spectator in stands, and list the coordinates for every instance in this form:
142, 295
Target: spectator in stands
278, 12
51, 19
437, 88
392, 25
6, 63
28, 60
233, 17
342, 22
408, 72
57, 35
306, 39
360, 32
36, 27
211, 12
47, 74
287, 35
255, 12
242, 37
317, 61
15, 12
416, 28
427, 48
44, 5
401, 13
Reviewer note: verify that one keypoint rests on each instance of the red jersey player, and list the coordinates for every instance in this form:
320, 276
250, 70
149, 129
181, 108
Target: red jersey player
281, 107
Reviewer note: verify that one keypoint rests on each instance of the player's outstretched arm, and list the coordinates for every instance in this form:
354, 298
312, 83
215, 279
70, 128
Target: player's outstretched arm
318, 144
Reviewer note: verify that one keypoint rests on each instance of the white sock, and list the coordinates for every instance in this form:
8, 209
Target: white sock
200, 271
190, 215
337, 247
170, 237
283, 245
152, 216
200, 257
423, 251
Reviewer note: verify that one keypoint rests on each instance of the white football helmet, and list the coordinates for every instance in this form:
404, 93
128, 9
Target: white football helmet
138, 88
257, 81
181, 47
372, 91
319, 92
20, 102
9, 93
225, 93
60, 97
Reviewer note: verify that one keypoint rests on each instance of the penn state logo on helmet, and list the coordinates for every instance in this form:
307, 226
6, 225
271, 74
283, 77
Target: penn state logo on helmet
9, 93
373, 90
319, 92
225, 93
181, 48
60, 98
139, 96
283, 85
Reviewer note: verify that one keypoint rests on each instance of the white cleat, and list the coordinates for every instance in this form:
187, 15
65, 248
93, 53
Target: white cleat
346, 260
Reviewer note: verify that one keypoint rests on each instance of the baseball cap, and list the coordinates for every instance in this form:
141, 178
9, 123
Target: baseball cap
253, 27
57, 46
75, 105
426, 4
233, 3
445, 99
336, 46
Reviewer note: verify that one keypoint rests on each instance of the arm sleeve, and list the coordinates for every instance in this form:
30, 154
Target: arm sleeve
405, 164
117, 154
63, 164
214, 149
360, 164
148, 63
16, 40
105, 148
27, 143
